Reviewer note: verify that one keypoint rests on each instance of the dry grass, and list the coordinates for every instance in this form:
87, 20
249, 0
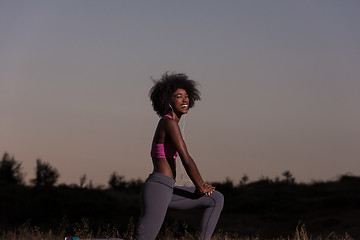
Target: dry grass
82, 230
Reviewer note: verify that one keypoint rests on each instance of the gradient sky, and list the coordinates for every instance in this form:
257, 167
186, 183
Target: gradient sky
280, 84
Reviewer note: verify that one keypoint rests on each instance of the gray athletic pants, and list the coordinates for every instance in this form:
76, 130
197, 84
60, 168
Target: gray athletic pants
158, 194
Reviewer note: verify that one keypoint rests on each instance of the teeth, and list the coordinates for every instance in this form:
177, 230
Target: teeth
184, 105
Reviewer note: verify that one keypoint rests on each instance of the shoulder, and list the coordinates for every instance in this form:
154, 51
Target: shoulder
169, 123
168, 120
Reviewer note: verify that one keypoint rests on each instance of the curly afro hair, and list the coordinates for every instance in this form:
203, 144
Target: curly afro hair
160, 94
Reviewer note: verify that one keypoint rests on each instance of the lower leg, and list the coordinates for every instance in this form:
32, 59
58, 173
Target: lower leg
185, 198
211, 216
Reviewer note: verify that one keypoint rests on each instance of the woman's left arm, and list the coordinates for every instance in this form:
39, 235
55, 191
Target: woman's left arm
173, 131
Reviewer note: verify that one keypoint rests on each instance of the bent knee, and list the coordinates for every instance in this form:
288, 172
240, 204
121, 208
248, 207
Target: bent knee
218, 198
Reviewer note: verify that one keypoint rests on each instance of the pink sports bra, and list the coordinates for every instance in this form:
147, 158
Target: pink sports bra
163, 150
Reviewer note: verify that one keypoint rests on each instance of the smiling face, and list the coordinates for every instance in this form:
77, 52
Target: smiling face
180, 102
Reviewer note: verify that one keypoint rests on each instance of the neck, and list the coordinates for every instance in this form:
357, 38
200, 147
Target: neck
176, 116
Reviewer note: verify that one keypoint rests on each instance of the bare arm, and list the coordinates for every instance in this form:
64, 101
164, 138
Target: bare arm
173, 131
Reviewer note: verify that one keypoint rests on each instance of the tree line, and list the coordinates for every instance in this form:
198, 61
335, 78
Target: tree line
47, 176
10, 172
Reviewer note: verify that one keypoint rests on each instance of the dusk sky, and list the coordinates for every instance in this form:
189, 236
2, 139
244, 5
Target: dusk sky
280, 83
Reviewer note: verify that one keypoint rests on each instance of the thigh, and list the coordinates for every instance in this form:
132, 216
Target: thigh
184, 197
155, 198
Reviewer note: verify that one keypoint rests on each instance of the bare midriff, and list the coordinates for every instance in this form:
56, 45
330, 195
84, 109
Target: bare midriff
165, 166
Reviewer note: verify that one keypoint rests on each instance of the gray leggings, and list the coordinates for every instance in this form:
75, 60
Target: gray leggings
158, 194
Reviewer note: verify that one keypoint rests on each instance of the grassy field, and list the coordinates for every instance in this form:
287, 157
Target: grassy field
265, 209
173, 232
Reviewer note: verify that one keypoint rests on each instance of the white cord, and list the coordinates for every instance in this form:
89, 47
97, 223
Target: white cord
184, 178
183, 127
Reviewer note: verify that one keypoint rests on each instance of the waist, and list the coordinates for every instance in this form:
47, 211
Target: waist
161, 178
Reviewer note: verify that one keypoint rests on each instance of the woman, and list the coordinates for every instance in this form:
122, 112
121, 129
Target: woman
172, 96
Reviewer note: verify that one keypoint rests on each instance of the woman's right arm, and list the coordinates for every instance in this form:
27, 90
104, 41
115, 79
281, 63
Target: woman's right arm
173, 131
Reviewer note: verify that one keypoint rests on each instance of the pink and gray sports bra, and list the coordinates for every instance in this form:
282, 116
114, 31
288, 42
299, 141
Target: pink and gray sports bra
163, 150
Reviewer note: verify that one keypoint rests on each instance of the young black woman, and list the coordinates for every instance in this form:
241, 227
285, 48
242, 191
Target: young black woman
172, 96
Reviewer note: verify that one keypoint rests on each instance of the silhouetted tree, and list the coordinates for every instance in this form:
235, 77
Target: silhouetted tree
117, 182
82, 180
10, 170
288, 177
46, 175
244, 180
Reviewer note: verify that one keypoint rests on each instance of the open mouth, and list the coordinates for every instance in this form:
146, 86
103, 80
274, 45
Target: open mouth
184, 105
